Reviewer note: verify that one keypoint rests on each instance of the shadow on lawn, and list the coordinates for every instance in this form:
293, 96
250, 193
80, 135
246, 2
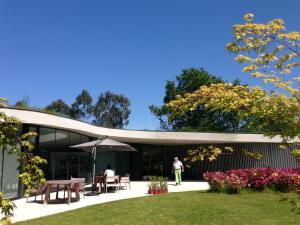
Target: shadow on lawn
293, 201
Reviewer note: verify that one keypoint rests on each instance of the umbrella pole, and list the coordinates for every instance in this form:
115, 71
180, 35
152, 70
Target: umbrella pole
94, 168
94, 152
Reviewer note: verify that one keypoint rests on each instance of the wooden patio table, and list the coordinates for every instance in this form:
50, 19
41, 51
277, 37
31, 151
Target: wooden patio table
67, 184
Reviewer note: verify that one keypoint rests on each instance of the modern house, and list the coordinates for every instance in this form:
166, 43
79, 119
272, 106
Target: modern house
156, 150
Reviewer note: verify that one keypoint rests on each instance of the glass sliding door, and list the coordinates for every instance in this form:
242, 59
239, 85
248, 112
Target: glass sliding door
8, 174
46, 150
152, 161
80, 162
63, 162
61, 155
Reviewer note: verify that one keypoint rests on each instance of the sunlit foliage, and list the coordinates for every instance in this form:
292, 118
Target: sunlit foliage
270, 53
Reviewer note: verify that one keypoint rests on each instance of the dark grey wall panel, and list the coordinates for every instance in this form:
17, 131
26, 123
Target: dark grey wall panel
274, 157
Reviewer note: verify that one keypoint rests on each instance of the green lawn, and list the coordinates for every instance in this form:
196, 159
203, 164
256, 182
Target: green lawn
186, 208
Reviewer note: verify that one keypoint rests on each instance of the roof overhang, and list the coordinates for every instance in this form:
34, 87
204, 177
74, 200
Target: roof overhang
134, 136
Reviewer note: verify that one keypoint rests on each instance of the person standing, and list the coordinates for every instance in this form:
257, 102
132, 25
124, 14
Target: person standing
177, 169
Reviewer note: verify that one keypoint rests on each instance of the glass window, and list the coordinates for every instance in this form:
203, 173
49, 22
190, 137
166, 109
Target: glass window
62, 140
63, 162
60, 164
152, 159
47, 139
85, 166
84, 139
32, 139
10, 175
74, 139
46, 150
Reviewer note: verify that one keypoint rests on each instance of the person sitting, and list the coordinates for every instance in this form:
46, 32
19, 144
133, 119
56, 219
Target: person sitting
109, 173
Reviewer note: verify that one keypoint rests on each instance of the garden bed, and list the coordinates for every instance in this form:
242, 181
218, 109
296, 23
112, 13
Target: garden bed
233, 181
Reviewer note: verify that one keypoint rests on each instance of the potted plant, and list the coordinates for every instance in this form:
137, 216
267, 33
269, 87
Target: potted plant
150, 189
165, 185
156, 187
151, 185
159, 181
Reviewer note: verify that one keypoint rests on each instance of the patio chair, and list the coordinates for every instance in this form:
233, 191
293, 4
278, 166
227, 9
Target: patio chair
41, 190
125, 181
81, 182
112, 181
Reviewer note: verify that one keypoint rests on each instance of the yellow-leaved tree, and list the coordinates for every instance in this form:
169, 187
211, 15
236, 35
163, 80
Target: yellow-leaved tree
31, 175
270, 53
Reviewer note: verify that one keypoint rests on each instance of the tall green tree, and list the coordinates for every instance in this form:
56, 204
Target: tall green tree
112, 110
82, 108
24, 103
59, 106
200, 119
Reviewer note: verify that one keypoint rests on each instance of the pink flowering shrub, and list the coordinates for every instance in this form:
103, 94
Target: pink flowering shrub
285, 180
259, 178
242, 173
216, 180
233, 181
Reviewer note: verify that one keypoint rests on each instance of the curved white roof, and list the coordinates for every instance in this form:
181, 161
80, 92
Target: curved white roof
133, 136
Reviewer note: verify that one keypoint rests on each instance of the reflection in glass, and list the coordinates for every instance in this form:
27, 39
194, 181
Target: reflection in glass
84, 139
62, 140
47, 139
63, 161
32, 139
10, 175
74, 139
152, 160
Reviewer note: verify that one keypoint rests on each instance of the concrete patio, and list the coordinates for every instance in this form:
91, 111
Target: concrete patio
32, 209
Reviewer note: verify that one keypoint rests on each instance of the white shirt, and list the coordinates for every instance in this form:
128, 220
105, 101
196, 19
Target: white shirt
109, 173
177, 165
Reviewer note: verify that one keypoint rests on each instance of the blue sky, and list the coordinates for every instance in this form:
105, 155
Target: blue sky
54, 49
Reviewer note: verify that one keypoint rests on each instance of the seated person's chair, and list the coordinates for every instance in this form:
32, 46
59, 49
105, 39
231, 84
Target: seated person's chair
99, 179
112, 181
125, 181
81, 182
41, 190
